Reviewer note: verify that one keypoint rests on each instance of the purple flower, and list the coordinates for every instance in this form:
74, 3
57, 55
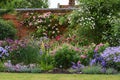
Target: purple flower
3, 52
77, 66
92, 62
10, 41
112, 54
103, 63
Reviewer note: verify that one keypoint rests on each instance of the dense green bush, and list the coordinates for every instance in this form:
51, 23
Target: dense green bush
64, 57
94, 18
24, 53
7, 30
113, 35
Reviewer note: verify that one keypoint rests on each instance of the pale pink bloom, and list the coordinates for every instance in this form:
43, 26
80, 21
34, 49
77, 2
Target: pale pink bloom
30, 24
53, 32
101, 44
39, 21
27, 14
34, 17
17, 66
83, 56
77, 49
78, 62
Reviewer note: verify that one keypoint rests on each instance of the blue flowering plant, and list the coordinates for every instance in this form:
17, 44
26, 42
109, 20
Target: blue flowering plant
77, 67
112, 57
97, 58
3, 53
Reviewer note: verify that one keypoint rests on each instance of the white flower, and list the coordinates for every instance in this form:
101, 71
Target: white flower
53, 32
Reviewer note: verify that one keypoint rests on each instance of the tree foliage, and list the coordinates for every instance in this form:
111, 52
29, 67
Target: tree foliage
23, 3
94, 17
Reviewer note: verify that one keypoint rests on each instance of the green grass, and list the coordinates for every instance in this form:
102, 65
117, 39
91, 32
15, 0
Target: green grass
27, 76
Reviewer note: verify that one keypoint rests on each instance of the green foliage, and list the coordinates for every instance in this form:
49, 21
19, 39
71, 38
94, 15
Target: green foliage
111, 71
75, 38
113, 35
2, 68
88, 51
115, 65
4, 4
64, 56
103, 47
36, 70
46, 62
94, 17
26, 55
24, 4
92, 70
98, 70
7, 30
24, 70
31, 4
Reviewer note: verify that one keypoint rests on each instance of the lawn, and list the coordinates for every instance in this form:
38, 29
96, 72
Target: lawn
29, 76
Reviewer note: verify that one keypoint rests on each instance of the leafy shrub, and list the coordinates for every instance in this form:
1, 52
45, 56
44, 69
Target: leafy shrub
22, 51
87, 51
94, 18
92, 70
113, 35
46, 24
7, 30
111, 71
64, 56
2, 68
73, 37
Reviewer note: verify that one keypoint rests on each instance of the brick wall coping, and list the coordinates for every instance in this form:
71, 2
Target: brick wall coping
43, 10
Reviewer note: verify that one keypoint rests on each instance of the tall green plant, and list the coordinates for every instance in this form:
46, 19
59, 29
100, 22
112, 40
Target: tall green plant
94, 17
